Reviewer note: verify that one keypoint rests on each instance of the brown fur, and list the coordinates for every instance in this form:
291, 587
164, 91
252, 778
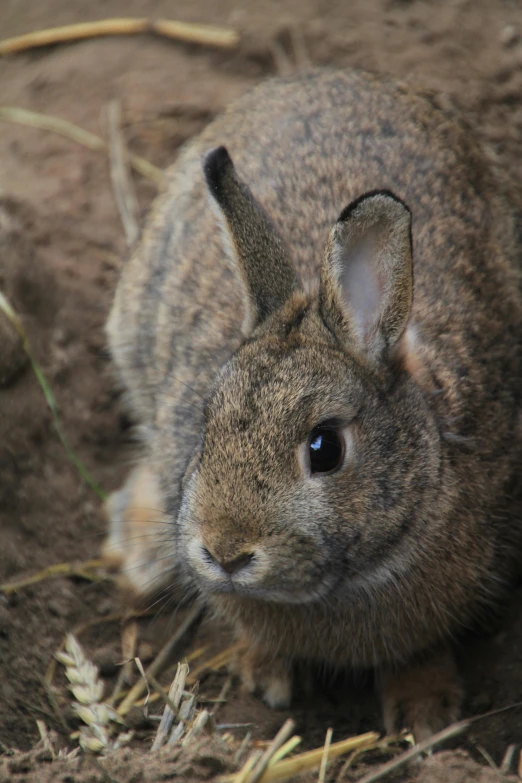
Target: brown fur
235, 340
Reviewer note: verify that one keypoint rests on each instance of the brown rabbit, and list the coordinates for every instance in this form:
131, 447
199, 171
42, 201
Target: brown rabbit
331, 438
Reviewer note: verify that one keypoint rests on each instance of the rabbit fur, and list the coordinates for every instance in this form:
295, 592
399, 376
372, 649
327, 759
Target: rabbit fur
275, 288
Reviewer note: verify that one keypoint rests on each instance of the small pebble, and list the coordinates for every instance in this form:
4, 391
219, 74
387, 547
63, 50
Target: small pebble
58, 607
509, 36
106, 659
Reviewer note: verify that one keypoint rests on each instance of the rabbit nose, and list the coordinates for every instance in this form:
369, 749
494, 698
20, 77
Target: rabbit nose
231, 566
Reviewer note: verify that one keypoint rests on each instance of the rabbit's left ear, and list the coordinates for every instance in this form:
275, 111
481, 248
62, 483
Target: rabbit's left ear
259, 253
367, 274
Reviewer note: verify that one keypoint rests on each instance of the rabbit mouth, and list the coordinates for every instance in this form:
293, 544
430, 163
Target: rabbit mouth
253, 576
267, 594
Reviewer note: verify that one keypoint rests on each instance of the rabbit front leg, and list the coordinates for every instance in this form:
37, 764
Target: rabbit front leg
260, 671
424, 697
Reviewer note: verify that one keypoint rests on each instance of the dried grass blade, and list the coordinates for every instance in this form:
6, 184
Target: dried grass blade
244, 772
193, 617
120, 175
185, 716
242, 747
160, 690
285, 749
215, 663
44, 736
142, 672
54, 572
171, 708
280, 738
422, 747
507, 761
73, 132
222, 695
305, 762
15, 319
197, 727
324, 759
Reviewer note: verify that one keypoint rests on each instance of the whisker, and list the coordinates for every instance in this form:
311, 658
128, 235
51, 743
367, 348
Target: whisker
128, 569
190, 406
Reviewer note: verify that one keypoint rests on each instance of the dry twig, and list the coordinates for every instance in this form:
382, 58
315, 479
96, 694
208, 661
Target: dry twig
224, 38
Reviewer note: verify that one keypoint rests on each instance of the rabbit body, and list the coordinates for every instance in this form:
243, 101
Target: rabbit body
230, 364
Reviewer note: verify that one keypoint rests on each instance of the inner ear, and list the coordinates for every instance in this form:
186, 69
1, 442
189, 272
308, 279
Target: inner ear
367, 274
361, 280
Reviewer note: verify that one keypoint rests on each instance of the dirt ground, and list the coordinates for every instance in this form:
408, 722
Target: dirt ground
61, 246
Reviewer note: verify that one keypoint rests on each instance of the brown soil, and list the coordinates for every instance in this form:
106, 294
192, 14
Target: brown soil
61, 241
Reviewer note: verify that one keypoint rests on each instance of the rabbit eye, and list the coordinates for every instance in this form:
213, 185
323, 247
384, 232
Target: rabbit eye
326, 450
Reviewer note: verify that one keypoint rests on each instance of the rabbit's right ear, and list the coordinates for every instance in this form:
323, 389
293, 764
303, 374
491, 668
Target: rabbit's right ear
260, 255
367, 275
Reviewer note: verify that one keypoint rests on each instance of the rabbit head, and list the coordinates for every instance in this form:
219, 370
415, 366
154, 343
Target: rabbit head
319, 457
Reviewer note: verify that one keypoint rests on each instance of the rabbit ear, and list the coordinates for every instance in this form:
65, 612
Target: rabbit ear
367, 274
260, 255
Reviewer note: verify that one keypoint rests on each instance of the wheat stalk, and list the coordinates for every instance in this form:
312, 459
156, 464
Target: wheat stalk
87, 688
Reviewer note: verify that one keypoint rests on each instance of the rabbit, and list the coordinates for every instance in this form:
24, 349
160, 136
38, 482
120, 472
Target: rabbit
319, 334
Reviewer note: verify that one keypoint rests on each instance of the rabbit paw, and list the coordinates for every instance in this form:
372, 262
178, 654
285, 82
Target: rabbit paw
424, 698
265, 674
138, 537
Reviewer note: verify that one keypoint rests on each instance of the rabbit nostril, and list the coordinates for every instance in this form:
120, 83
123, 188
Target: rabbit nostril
238, 563
230, 566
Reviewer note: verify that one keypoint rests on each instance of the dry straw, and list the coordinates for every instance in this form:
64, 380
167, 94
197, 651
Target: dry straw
88, 569
273, 766
192, 618
69, 130
121, 179
324, 760
207, 35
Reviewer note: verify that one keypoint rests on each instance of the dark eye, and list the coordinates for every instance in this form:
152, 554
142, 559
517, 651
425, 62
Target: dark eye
326, 450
